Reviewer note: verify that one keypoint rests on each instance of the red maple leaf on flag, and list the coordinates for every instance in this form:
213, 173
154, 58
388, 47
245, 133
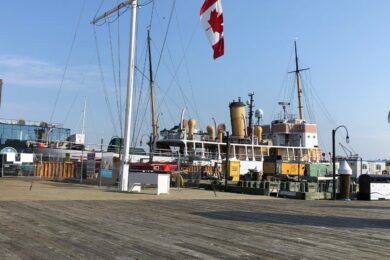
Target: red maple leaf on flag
216, 21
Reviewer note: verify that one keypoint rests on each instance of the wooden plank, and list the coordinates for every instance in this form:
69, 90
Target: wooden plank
185, 224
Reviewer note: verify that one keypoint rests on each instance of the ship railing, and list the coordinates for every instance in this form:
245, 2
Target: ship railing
281, 116
321, 186
211, 155
303, 159
164, 152
173, 136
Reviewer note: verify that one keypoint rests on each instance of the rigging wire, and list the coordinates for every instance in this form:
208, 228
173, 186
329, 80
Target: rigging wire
173, 72
67, 61
283, 89
172, 101
117, 82
119, 77
326, 113
307, 92
321, 105
187, 68
136, 137
307, 88
161, 52
140, 128
158, 87
81, 119
107, 20
140, 95
117, 97
147, 3
98, 10
137, 126
78, 91
174, 75
104, 83
165, 38
291, 91
151, 16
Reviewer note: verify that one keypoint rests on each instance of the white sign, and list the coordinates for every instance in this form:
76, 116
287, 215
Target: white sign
162, 180
26, 157
380, 191
11, 157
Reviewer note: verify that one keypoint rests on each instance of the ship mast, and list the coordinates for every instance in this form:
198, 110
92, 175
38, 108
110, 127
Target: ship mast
130, 83
250, 114
298, 78
84, 111
154, 125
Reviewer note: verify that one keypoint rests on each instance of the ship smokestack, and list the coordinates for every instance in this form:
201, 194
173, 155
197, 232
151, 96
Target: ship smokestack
191, 127
237, 117
211, 132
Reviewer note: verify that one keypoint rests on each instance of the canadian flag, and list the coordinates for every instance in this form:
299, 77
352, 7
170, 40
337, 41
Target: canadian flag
211, 17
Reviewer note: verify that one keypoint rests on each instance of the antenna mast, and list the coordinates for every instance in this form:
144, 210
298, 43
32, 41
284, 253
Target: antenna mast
250, 114
130, 82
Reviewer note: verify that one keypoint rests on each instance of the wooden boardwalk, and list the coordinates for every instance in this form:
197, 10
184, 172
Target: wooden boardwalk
62, 221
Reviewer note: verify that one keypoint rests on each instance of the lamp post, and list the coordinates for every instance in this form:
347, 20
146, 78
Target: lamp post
47, 136
334, 155
227, 160
299, 157
142, 136
101, 162
215, 124
150, 144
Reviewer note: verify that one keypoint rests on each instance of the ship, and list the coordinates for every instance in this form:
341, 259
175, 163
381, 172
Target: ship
282, 147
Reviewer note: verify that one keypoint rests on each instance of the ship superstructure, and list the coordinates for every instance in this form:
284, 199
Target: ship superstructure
285, 140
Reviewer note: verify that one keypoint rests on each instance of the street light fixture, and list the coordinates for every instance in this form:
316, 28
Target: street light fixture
47, 136
334, 155
150, 144
215, 124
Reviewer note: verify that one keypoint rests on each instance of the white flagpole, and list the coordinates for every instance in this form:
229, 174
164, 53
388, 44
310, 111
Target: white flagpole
130, 84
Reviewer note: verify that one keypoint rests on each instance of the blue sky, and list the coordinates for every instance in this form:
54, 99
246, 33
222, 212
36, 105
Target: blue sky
346, 44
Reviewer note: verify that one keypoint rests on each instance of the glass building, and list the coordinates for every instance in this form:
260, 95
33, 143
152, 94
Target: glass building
20, 134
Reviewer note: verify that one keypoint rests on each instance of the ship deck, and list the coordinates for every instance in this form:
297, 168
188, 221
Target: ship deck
51, 220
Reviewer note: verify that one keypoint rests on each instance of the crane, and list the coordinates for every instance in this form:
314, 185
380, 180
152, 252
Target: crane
347, 151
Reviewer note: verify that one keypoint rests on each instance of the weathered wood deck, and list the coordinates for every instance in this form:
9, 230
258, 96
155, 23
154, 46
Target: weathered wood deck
59, 221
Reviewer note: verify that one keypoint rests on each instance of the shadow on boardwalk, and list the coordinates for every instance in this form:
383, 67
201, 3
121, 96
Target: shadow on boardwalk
369, 207
289, 219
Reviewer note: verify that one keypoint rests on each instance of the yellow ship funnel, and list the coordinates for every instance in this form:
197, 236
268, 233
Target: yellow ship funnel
211, 132
258, 132
191, 127
220, 136
237, 117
